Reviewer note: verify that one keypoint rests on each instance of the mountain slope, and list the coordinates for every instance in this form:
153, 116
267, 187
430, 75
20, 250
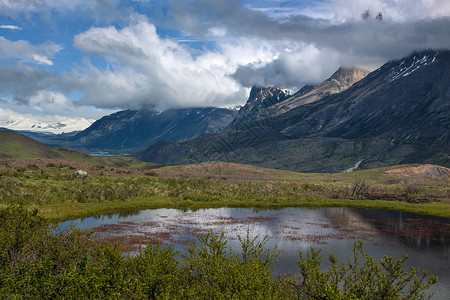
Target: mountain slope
127, 130
272, 101
341, 80
397, 114
16, 145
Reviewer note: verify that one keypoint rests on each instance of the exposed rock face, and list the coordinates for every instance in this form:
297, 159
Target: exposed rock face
260, 98
341, 80
395, 115
272, 101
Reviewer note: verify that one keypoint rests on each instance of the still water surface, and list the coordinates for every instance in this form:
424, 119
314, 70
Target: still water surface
425, 238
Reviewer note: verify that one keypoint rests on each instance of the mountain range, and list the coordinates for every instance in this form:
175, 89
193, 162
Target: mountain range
28, 124
397, 114
131, 130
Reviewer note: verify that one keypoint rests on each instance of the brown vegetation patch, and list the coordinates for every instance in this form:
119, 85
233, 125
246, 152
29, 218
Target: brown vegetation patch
59, 165
422, 171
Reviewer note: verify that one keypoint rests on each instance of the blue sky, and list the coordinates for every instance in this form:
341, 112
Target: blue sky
78, 59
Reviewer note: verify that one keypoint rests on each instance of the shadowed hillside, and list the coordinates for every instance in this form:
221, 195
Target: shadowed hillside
17, 146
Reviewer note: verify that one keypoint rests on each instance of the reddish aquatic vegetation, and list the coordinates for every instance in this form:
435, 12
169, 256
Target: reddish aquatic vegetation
130, 242
179, 229
259, 219
109, 228
150, 224
127, 223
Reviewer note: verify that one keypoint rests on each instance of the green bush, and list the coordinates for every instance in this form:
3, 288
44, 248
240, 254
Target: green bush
212, 272
361, 278
39, 261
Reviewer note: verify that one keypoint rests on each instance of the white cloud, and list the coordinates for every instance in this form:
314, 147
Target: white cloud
12, 27
98, 9
252, 44
217, 31
50, 102
148, 70
45, 110
298, 65
41, 60
398, 10
40, 54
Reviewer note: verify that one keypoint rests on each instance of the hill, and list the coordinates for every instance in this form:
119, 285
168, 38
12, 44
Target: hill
397, 114
16, 146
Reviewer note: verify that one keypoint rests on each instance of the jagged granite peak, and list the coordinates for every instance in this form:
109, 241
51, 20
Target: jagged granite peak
341, 80
259, 99
398, 114
267, 95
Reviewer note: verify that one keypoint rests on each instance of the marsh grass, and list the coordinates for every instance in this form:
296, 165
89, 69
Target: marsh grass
51, 188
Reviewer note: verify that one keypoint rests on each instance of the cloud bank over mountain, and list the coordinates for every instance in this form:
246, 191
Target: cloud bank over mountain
99, 56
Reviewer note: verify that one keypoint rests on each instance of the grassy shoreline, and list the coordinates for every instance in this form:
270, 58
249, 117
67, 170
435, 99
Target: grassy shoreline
72, 211
50, 187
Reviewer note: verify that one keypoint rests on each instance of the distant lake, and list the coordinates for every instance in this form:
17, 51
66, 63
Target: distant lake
101, 154
425, 238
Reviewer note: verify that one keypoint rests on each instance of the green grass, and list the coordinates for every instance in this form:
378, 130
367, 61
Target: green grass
58, 195
14, 145
71, 211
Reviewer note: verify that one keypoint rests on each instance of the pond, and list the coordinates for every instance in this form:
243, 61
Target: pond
425, 238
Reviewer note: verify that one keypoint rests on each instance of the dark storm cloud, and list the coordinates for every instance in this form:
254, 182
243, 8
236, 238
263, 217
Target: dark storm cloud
355, 42
388, 38
23, 81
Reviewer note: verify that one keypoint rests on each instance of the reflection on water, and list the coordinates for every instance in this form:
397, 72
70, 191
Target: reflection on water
120, 214
425, 238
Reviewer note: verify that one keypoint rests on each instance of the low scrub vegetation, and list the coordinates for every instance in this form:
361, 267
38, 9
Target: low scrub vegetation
51, 185
39, 261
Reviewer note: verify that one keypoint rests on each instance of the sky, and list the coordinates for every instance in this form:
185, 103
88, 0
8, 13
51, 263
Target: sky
79, 60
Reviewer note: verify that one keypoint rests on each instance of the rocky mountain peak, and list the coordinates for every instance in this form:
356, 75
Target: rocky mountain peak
341, 80
264, 94
259, 99
347, 76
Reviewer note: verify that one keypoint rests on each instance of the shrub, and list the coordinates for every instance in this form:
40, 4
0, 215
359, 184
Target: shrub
212, 272
33, 167
361, 278
40, 261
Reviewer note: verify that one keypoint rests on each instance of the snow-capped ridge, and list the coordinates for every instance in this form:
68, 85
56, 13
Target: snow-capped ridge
410, 65
56, 125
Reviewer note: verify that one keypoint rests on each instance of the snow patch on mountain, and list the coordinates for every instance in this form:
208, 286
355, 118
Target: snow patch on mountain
408, 66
